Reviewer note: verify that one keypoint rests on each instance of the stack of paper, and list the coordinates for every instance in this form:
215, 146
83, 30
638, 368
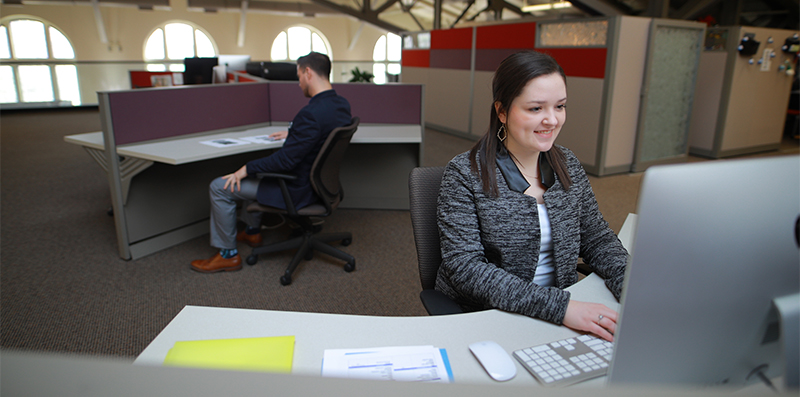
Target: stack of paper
403, 363
271, 354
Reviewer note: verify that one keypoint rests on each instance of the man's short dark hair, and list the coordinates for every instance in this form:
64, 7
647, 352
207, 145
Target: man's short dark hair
319, 63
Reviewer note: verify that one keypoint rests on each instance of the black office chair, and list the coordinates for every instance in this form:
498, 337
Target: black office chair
325, 182
423, 192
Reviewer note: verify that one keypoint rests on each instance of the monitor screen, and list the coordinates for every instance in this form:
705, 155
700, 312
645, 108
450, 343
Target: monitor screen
234, 63
198, 70
715, 243
273, 70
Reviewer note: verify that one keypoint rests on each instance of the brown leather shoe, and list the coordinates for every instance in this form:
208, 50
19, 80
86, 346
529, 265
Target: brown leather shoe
217, 264
253, 240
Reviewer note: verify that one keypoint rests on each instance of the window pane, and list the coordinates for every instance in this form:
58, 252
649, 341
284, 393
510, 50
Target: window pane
5, 51
177, 67
279, 48
27, 39
299, 42
154, 49
180, 40
8, 87
424, 40
394, 68
379, 70
61, 47
156, 67
36, 83
67, 77
204, 47
394, 48
379, 52
318, 45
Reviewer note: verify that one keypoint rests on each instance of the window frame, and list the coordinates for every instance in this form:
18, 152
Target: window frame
166, 62
386, 62
313, 30
50, 61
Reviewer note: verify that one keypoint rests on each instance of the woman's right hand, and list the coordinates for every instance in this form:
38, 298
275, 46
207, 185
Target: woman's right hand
591, 317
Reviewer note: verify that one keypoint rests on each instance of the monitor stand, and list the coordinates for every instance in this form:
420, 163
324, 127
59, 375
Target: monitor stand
788, 308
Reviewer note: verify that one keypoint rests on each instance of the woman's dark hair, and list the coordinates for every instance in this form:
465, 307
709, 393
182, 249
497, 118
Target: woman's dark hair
319, 63
510, 78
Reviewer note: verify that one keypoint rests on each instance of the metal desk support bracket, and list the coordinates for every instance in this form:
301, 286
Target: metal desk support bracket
128, 167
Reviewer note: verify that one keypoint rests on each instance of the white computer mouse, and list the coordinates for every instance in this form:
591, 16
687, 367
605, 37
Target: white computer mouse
494, 360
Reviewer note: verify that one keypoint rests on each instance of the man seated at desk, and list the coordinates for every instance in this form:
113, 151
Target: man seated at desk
325, 111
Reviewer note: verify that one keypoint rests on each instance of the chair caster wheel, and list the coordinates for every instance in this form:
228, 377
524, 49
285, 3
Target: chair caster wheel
251, 260
286, 280
350, 267
347, 242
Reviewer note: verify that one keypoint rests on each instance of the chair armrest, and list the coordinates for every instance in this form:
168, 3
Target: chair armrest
289, 177
437, 303
282, 178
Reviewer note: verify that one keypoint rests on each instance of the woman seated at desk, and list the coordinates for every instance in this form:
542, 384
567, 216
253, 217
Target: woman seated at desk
516, 211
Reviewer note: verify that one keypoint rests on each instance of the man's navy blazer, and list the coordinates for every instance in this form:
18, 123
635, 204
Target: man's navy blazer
310, 127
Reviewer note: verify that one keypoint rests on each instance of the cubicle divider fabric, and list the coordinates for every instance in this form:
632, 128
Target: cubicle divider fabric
373, 103
150, 114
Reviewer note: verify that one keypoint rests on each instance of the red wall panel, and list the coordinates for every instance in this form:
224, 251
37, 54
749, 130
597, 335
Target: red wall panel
517, 35
451, 39
416, 58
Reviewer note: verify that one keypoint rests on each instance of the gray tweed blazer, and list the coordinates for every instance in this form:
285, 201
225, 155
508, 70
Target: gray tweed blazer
490, 246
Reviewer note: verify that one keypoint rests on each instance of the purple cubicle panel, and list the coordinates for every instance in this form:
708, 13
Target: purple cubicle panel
373, 103
149, 114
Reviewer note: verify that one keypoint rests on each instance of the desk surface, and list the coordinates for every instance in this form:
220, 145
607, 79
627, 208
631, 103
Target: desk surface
188, 149
315, 332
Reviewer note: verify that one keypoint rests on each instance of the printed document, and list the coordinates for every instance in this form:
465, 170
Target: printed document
225, 142
401, 363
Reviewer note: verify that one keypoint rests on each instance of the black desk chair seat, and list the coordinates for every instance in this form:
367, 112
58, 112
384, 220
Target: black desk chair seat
325, 183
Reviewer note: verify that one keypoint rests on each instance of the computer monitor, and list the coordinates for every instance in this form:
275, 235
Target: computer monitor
234, 63
715, 243
286, 71
198, 70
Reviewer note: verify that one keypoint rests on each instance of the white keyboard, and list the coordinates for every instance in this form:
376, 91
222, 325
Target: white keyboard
567, 361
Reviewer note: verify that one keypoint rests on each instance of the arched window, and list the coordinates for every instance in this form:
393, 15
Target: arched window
297, 41
386, 55
36, 72
170, 43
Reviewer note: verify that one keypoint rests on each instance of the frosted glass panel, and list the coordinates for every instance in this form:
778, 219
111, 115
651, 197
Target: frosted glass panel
672, 70
573, 34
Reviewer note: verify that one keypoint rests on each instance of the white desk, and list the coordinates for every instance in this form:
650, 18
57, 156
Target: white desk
315, 332
187, 149
163, 184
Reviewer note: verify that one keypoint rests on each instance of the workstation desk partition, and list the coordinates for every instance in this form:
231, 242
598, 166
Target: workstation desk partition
158, 169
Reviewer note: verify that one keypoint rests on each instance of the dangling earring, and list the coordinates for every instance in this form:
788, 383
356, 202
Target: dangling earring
502, 130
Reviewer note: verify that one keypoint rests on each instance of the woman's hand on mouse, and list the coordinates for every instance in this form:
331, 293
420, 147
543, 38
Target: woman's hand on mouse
591, 317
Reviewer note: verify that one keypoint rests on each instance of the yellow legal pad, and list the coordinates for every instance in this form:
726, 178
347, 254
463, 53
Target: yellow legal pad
270, 354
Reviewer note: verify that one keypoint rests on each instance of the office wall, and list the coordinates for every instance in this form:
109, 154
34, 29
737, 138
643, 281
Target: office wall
127, 29
104, 67
744, 104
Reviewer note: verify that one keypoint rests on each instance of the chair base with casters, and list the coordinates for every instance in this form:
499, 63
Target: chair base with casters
306, 243
324, 179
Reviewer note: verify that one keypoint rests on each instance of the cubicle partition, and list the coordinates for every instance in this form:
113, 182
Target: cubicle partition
154, 147
604, 59
742, 98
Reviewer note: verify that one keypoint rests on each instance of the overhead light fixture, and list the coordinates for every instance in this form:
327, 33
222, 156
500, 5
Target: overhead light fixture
547, 7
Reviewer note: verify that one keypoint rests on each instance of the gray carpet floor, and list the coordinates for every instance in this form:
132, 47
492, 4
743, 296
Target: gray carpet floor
63, 287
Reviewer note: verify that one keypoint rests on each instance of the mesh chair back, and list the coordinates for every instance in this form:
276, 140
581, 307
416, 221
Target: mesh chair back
325, 170
423, 190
